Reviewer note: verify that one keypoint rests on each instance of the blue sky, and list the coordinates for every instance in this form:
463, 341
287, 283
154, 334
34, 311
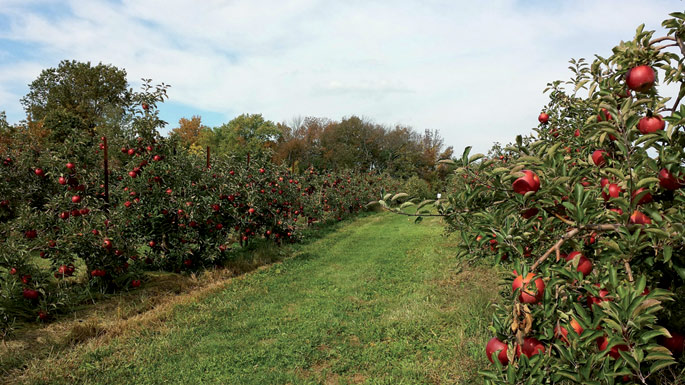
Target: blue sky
474, 70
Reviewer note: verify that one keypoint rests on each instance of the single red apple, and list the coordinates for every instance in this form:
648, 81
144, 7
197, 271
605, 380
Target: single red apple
135, 283
584, 264
76, 199
532, 289
39, 172
603, 342
30, 294
638, 218
650, 124
543, 118
613, 192
646, 197
531, 346
604, 115
598, 157
529, 182
495, 345
668, 181
676, 344
640, 78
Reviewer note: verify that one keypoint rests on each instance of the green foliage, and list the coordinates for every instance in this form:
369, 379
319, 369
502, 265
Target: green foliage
245, 134
96, 94
418, 188
605, 316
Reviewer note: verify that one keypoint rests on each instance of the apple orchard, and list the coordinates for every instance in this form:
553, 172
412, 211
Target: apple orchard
586, 216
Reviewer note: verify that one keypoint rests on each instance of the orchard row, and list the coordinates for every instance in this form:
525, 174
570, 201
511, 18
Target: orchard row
588, 215
63, 225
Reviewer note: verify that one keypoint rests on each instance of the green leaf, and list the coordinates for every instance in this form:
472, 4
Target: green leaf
475, 157
465, 156
658, 365
398, 196
646, 181
668, 252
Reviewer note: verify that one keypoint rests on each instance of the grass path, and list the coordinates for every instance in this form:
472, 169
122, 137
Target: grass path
380, 301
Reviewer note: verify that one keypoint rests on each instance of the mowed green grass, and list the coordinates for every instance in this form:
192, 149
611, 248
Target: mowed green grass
379, 301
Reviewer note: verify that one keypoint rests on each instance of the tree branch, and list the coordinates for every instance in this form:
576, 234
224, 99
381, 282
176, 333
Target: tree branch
660, 47
629, 271
660, 39
570, 234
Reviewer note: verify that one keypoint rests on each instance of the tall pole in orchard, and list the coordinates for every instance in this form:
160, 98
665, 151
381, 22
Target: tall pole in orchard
106, 165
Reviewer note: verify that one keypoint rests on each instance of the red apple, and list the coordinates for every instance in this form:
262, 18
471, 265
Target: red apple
76, 199
132, 174
669, 181
495, 345
543, 118
638, 218
576, 133
135, 283
584, 264
646, 198
640, 78
145, 106
603, 342
529, 182
30, 294
676, 344
70, 166
531, 346
598, 157
650, 124
592, 300
614, 191
30, 234
39, 172
532, 289
62, 180
107, 244
529, 213
604, 115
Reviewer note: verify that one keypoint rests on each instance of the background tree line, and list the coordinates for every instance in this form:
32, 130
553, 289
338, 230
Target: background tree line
89, 101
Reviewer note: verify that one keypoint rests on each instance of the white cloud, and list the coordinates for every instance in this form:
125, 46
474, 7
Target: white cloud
473, 70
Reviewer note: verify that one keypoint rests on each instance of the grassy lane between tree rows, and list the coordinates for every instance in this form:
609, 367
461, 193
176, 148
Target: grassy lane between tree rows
379, 301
